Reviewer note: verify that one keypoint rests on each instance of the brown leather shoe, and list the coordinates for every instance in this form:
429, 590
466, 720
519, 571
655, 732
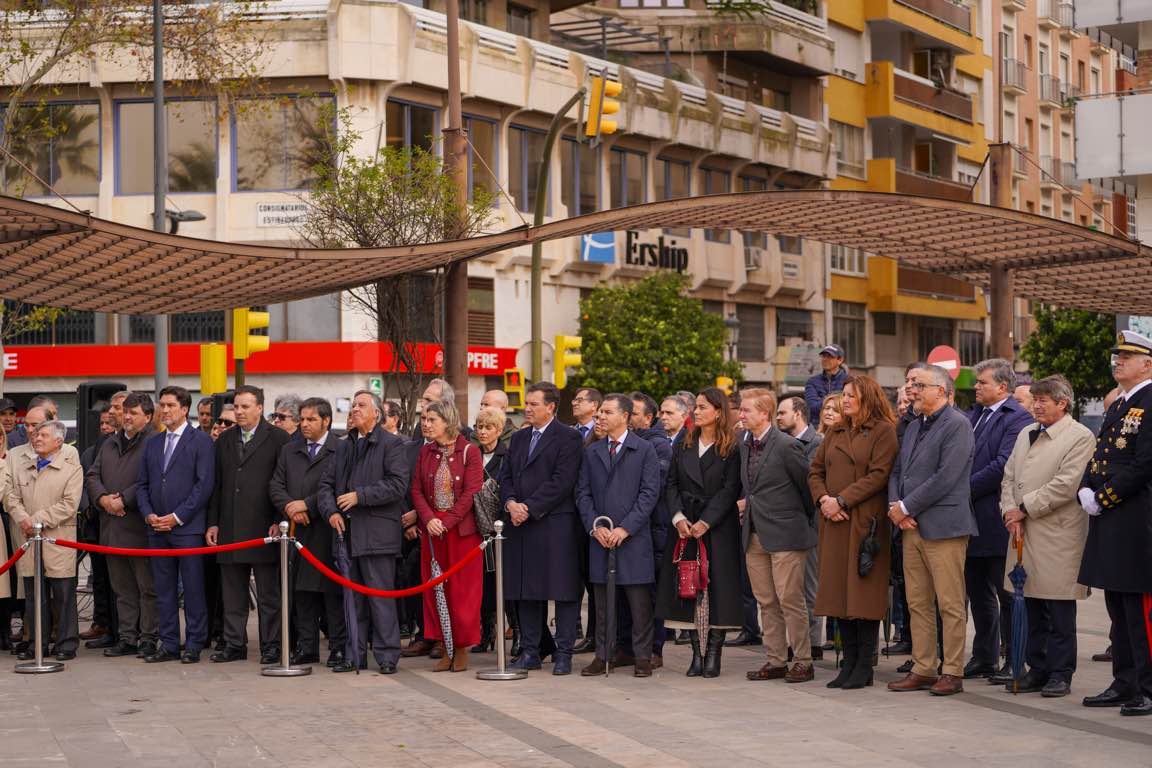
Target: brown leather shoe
460, 660
597, 667
912, 682
800, 673
443, 665
643, 668
768, 672
622, 659
94, 632
947, 685
417, 648
657, 661
437, 651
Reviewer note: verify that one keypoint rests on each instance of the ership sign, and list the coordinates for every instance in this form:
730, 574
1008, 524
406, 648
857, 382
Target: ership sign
662, 254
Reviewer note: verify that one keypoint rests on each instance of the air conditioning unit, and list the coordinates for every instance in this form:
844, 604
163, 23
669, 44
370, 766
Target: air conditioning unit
753, 258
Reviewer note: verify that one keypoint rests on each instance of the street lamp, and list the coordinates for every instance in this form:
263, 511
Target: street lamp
176, 217
732, 325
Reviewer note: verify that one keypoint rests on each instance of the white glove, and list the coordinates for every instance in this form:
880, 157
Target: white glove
1088, 501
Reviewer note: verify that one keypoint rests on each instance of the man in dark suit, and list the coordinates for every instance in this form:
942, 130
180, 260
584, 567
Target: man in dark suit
112, 483
585, 405
997, 419
537, 479
673, 416
176, 480
295, 491
1116, 493
242, 509
620, 480
362, 492
777, 530
930, 500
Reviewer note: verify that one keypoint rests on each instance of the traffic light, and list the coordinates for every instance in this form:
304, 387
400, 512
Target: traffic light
725, 384
567, 356
244, 342
603, 101
213, 368
514, 387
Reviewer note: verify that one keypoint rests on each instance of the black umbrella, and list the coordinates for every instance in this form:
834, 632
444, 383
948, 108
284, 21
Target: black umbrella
1019, 615
344, 565
609, 597
441, 602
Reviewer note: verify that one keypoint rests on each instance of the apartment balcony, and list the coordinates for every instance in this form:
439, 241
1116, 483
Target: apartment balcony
944, 11
912, 182
948, 24
1014, 6
894, 93
1115, 18
1014, 76
1056, 173
1053, 14
1111, 136
1051, 92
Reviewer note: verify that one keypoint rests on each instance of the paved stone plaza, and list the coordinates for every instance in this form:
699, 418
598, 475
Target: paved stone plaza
119, 712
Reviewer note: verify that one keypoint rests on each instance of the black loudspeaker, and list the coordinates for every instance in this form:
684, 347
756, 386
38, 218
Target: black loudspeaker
220, 400
91, 399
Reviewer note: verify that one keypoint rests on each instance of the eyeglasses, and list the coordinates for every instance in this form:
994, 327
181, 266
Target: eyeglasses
225, 423
920, 386
280, 416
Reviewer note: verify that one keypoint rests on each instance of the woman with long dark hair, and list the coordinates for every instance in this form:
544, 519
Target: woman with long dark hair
849, 482
703, 486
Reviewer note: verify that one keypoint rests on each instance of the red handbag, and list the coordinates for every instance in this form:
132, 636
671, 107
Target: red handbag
691, 575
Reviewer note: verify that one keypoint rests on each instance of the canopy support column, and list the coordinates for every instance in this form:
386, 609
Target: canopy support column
1001, 293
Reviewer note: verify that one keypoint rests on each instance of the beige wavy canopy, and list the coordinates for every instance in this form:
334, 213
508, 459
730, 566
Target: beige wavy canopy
62, 258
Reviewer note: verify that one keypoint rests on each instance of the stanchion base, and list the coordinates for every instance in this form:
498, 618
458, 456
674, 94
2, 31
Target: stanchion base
495, 674
32, 668
286, 671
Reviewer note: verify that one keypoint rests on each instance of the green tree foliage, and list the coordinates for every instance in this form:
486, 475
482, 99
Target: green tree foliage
650, 336
1074, 344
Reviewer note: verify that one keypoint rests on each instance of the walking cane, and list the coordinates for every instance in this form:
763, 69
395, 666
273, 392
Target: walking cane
501, 672
285, 669
39, 666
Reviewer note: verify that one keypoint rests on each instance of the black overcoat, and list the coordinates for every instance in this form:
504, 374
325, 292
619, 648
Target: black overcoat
297, 478
241, 505
376, 468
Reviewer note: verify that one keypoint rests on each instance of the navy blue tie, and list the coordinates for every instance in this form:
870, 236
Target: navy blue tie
535, 440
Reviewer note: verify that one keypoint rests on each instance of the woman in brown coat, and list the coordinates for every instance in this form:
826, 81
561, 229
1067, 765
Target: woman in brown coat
849, 481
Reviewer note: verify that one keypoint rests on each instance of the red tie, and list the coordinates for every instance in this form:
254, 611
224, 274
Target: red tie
612, 446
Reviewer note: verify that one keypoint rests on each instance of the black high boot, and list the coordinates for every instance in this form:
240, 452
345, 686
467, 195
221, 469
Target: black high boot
867, 634
696, 667
487, 634
712, 655
850, 642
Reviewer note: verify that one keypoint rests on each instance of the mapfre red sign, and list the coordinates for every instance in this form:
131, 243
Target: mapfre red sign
99, 361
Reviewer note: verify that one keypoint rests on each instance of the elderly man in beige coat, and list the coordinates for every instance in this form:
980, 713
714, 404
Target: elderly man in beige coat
44, 487
1038, 501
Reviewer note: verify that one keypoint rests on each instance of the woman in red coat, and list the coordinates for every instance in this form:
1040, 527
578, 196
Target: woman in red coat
449, 471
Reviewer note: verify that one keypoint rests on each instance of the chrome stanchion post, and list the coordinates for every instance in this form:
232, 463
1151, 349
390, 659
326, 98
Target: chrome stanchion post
39, 666
285, 669
501, 672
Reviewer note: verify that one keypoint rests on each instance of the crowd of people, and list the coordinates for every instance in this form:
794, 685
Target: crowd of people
800, 525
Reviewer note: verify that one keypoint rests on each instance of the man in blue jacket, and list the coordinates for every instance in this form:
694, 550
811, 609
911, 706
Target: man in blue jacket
829, 380
997, 419
176, 480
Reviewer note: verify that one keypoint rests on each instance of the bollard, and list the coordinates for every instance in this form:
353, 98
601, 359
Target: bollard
285, 669
501, 672
39, 666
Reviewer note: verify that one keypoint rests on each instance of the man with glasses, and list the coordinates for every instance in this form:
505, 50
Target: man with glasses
930, 501
226, 421
286, 414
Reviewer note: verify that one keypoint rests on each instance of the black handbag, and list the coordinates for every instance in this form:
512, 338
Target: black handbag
869, 547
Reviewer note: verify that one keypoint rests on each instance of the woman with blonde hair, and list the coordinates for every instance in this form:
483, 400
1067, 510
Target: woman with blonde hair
831, 412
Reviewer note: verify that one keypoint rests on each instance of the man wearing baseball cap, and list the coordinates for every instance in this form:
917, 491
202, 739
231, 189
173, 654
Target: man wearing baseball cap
1116, 495
12, 436
830, 380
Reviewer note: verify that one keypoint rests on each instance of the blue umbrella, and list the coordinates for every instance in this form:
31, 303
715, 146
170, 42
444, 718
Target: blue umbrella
1019, 615
344, 564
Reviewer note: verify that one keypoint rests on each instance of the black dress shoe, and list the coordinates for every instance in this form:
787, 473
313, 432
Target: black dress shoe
1106, 656
304, 658
270, 655
899, 648
65, 655
975, 668
1002, 676
161, 656
744, 638
122, 648
1107, 698
221, 644
344, 666
587, 645
104, 641
683, 638
905, 668
334, 658
1138, 707
27, 654
1055, 688
229, 654
190, 657
1027, 684
388, 668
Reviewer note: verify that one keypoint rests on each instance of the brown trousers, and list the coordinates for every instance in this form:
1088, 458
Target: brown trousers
934, 577
777, 580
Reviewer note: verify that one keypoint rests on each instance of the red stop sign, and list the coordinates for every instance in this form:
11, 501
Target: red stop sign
947, 358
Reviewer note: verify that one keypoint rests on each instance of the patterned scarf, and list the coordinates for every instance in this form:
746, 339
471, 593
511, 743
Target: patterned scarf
442, 485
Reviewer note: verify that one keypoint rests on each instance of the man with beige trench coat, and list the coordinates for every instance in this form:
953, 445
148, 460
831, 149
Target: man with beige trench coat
1038, 501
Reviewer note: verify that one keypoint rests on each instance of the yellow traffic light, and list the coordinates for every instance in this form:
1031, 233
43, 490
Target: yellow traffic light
603, 101
213, 368
514, 387
244, 342
567, 356
725, 384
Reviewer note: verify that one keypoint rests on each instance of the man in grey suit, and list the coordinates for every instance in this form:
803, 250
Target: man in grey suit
930, 501
777, 530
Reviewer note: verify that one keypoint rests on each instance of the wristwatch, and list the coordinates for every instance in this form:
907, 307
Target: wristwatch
843, 504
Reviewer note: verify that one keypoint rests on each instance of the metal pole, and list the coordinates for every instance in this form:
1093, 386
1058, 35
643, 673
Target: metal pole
1001, 283
501, 672
540, 208
39, 666
159, 179
456, 275
285, 669
239, 372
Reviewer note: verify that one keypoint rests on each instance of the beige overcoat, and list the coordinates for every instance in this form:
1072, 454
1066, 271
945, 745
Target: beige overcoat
5, 581
1045, 475
50, 496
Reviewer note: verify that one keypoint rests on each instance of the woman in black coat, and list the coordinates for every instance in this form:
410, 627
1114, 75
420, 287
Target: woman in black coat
703, 486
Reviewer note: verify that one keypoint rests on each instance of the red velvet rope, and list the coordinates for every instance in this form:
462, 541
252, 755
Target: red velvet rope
12, 560
129, 552
336, 577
